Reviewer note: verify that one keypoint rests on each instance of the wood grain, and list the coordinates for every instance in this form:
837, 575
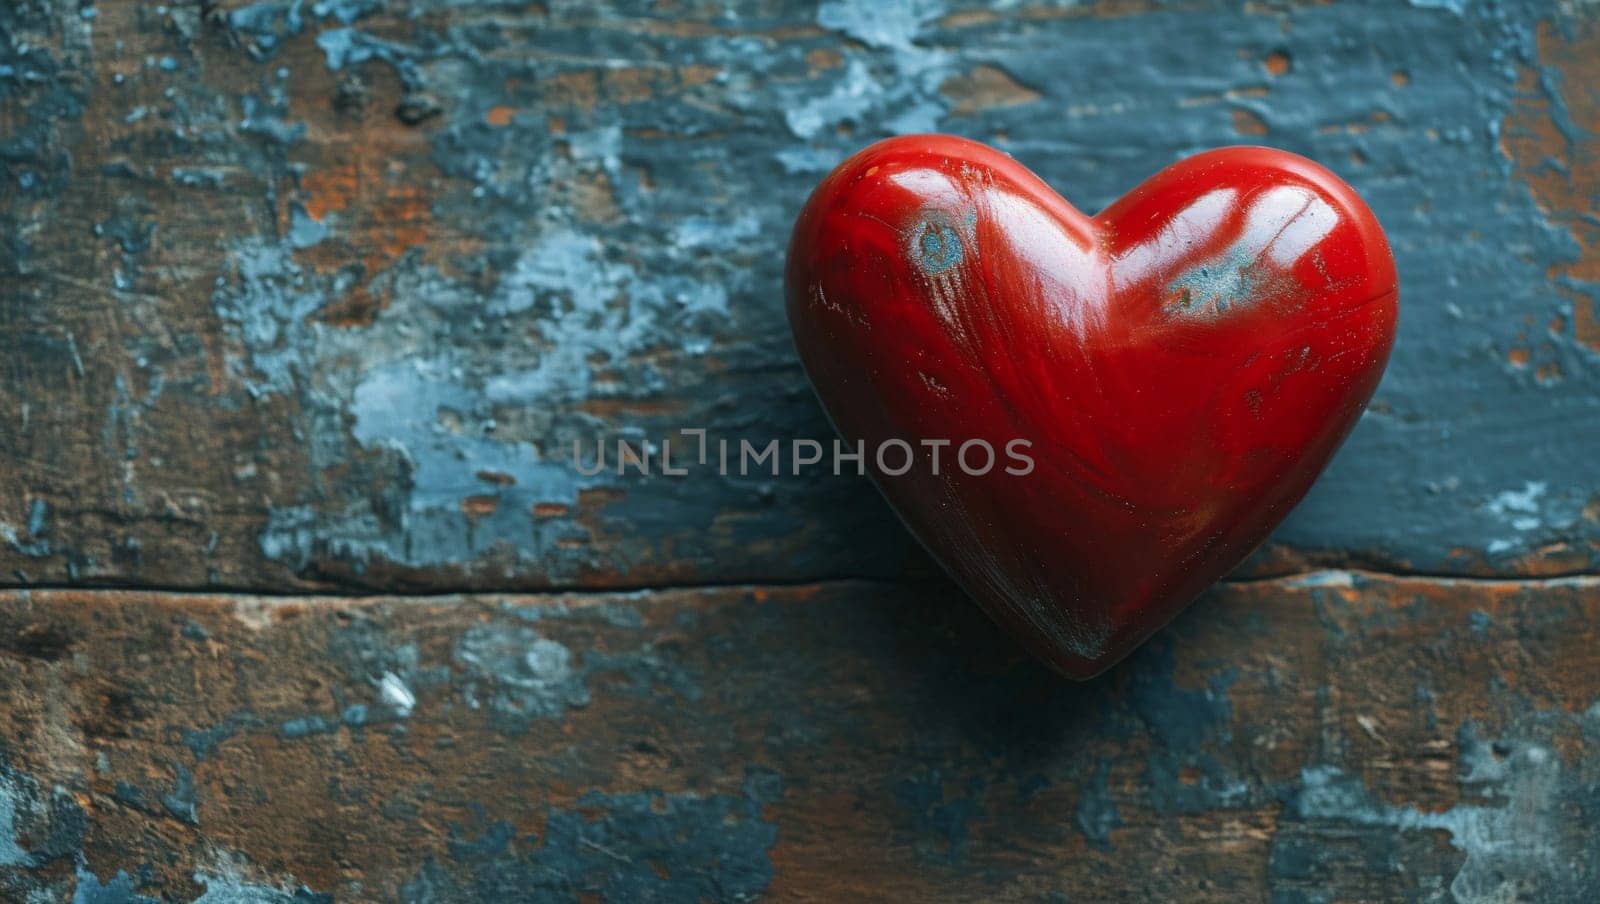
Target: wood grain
1337, 738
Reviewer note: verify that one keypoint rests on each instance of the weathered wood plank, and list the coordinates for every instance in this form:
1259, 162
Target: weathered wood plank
322, 294
1341, 737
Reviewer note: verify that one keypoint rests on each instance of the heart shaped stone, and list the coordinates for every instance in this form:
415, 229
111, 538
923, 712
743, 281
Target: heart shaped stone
1176, 371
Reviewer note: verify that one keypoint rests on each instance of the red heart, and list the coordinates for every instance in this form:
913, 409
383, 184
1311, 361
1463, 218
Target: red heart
1183, 366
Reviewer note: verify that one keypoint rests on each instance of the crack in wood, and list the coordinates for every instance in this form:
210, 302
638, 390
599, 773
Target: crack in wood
1325, 577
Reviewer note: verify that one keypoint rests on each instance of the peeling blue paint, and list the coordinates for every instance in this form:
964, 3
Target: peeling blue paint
1481, 622
266, 307
11, 852
886, 25
564, 285
33, 548
714, 847
1456, 6
305, 727
180, 801
1096, 814
304, 231
1185, 725
51, 821
941, 819
219, 889
203, 742
1507, 825
518, 673
348, 47
120, 889
896, 87
267, 24
348, 12
38, 517
227, 888
265, 118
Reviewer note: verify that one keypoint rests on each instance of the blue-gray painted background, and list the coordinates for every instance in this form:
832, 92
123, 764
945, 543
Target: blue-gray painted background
312, 292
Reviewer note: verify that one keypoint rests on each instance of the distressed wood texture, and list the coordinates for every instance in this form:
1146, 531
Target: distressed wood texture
321, 295
1339, 737
315, 298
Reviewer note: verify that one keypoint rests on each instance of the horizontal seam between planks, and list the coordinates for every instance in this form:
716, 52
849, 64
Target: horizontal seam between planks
1310, 579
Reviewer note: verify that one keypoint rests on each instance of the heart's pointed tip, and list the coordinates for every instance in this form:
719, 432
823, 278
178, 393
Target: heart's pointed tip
1083, 672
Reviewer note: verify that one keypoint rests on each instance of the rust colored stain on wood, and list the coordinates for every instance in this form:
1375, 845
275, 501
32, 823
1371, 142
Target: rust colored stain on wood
1248, 123
1550, 136
985, 88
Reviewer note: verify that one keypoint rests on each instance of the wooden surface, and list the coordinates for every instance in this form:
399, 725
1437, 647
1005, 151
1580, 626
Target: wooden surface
1336, 737
307, 303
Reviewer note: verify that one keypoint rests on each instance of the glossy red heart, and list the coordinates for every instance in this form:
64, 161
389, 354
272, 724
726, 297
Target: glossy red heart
1182, 365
